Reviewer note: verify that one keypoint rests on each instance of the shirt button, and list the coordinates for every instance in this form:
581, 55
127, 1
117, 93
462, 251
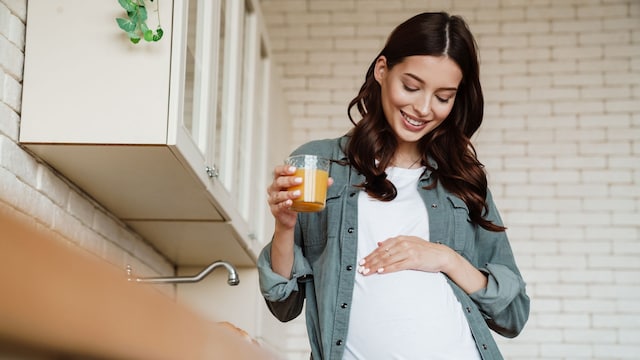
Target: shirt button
344, 305
350, 230
339, 342
349, 267
434, 205
484, 346
352, 194
468, 309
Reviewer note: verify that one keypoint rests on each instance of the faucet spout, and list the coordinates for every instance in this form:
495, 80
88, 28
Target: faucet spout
233, 278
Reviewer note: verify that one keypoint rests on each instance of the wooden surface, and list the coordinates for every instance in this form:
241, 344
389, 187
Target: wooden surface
57, 299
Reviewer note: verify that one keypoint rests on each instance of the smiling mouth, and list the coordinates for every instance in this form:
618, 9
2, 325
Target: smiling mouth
412, 121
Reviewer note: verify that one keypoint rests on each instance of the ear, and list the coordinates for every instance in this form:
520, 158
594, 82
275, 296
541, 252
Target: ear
380, 68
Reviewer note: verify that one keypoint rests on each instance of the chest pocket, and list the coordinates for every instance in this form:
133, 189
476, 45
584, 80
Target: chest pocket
463, 228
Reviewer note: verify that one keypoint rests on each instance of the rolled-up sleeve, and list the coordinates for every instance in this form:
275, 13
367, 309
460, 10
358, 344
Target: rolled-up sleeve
284, 297
503, 302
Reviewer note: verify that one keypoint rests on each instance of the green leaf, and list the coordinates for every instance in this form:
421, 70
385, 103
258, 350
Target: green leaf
142, 13
127, 5
143, 27
126, 24
148, 35
159, 32
134, 40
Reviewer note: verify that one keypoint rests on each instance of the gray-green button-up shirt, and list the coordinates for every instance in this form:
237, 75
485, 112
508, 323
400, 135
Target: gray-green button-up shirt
325, 263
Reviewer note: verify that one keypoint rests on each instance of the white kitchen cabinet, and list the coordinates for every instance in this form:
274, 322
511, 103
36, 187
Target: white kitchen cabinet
170, 135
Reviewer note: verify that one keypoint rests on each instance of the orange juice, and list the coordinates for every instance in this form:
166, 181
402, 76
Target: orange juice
313, 190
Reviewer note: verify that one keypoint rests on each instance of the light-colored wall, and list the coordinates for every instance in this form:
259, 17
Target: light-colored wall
30, 187
561, 143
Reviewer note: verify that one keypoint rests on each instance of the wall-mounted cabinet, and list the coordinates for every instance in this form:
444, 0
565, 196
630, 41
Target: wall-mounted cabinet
169, 136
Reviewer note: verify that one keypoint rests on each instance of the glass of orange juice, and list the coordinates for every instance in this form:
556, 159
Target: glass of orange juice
314, 171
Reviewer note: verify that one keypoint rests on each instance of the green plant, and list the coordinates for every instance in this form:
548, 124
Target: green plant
136, 24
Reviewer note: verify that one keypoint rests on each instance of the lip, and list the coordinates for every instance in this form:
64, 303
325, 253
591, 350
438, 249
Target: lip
406, 118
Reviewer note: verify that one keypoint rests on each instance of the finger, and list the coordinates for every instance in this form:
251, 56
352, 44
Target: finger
283, 198
283, 170
379, 258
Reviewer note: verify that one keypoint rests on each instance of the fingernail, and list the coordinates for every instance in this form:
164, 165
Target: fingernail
297, 180
296, 193
380, 270
361, 262
366, 271
360, 269
292, 169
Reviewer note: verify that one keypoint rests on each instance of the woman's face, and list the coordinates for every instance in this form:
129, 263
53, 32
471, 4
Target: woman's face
417, 93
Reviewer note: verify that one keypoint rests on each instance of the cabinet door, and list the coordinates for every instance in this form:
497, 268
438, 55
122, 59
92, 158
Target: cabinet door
252, 165
194, 75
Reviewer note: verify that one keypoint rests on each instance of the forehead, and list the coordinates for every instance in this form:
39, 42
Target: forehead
437, 71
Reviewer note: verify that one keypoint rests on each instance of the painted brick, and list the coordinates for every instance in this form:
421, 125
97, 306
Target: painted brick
546, 13
584, 218
306, 18
584, 190
579, 162
587, 136
620, 233
332, 5
586, 277
11, 58
602, 120
52, 186
616, 351
11, 92
308, 95
607, 176
9, 122
331, 31
561, 232
308, 44
573, 107
14, 159
591, 336
568, 321
575, 26
620, 78
602, 11
509, 54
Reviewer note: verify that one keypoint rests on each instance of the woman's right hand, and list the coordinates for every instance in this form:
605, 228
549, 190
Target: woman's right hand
280, 198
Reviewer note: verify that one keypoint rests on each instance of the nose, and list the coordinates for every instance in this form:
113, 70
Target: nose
423, 108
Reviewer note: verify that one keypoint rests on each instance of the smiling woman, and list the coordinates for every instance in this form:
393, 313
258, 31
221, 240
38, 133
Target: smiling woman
414, 107
409, 259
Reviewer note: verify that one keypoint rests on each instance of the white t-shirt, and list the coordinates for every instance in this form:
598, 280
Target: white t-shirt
408, 314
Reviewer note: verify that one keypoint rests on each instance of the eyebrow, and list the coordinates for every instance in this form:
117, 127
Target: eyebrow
423, 82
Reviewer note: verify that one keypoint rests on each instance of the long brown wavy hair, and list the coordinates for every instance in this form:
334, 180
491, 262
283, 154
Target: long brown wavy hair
449, 145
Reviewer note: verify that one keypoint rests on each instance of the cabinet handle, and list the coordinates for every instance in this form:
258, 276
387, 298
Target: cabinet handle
212, 172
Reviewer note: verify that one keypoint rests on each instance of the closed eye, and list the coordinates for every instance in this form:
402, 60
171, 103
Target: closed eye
443, 100
409, 88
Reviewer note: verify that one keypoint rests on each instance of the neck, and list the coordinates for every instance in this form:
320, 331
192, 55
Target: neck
406, 163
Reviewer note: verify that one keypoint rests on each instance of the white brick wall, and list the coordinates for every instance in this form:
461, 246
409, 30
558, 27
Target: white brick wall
30, 188
561, 142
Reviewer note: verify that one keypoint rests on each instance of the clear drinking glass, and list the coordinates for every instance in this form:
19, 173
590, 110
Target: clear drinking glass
314, 171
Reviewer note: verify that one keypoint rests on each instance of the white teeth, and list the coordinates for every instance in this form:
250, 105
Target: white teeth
411, 121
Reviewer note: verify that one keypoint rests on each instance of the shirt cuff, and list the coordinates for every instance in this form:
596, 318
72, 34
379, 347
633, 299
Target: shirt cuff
275, 287
503, 285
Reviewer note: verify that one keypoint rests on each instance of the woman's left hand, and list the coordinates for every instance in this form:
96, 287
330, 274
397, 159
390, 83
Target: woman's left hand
413, 253
406, 253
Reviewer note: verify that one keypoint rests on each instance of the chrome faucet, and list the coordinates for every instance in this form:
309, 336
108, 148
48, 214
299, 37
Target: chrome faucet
232, 280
